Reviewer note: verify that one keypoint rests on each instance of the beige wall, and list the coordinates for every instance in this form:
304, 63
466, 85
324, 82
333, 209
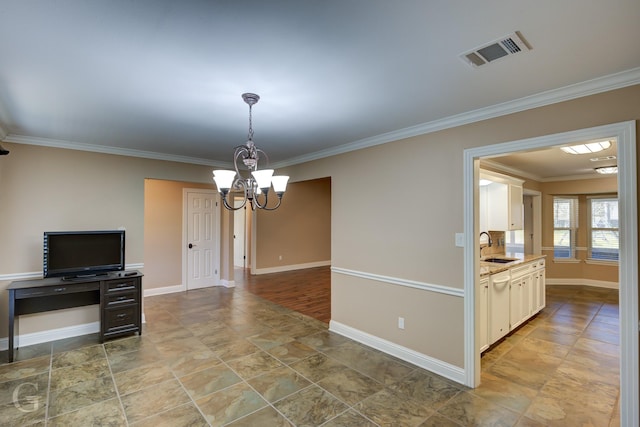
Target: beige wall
299, 230
397, 206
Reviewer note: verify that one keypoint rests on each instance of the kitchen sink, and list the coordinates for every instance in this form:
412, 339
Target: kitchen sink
500, 260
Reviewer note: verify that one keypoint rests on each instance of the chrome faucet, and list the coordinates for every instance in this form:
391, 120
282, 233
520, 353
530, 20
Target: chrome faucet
490, 241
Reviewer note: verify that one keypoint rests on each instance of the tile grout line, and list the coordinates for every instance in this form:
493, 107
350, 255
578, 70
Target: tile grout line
115, 386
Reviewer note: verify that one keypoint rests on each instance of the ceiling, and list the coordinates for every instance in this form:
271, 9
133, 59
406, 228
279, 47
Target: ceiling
552, 164
163, 79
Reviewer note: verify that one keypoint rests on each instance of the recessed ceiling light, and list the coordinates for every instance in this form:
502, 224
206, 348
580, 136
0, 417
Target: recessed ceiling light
607, 170
592, 147
600, 159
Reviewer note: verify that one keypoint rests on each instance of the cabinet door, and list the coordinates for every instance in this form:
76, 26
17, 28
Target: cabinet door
541, 288
515, 207
483, 307
526, 298
515, 303
499, 306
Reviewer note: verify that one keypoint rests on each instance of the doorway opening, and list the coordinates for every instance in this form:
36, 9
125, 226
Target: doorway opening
624, 133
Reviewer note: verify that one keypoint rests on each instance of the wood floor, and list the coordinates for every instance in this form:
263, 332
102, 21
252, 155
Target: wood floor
306, 291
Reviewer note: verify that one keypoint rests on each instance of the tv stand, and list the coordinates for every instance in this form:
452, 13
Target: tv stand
119, 295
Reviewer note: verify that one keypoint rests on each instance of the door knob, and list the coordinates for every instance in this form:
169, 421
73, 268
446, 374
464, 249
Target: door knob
191, 245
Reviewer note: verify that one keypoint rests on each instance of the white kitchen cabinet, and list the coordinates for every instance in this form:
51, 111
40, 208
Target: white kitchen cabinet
507, 299
500, 204
499, 303
520, 295
483, 313
538, 281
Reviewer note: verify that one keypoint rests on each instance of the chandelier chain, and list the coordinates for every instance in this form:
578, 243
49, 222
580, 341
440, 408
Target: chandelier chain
250, 123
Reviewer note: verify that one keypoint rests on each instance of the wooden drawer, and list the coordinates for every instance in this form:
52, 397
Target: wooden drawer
56, 290
121, 319
121, 285
119, 298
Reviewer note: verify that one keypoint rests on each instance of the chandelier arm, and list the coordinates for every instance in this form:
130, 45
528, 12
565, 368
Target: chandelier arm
257, 202
231, 208
265, 208
265, 156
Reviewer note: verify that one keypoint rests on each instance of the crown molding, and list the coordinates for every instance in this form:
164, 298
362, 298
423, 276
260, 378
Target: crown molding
509, 170
70, 145
590, 87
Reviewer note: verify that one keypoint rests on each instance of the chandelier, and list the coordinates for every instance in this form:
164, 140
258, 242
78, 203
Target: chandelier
256, 184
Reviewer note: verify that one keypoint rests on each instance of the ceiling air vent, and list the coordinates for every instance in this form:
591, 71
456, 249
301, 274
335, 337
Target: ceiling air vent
501, 48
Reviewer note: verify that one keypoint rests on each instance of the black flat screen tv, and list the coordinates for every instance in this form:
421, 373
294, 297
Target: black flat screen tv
72, 254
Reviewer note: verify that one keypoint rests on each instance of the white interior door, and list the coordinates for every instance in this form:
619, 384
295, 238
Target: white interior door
202, 239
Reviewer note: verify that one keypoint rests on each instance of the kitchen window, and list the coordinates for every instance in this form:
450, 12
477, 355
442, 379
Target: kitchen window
565, 223
604, 235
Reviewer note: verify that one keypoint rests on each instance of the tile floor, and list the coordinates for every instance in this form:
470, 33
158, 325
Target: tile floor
226, 357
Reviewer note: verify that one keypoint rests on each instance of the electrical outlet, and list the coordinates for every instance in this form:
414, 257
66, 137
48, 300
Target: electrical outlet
400, 322
460, 240
280, 258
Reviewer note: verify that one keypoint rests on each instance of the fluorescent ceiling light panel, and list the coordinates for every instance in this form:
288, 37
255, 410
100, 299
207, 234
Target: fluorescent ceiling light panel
592, 147
607, 170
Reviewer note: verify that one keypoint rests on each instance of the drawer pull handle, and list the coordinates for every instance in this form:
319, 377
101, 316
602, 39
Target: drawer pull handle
122, 298
121, 316
59, 289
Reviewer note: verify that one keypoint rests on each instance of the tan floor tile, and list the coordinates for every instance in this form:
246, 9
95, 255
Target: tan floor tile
291, 352
387, 408
598, 347
136, 379
278, 383
185, 415
227, 405
263, 417
80, 395
254, 364
24, 368
192, 362
71, 375
210, 380
153, 400
311, 406
76, 357
505, 393
350, 386
467, 409
107, 413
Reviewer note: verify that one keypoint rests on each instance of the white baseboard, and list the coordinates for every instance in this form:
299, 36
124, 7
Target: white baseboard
181, 288
291, 267
164, 290
51, 335
583, 282
54, 334
437, 366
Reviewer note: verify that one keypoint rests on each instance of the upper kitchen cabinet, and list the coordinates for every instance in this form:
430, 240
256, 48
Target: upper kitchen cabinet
500, 202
